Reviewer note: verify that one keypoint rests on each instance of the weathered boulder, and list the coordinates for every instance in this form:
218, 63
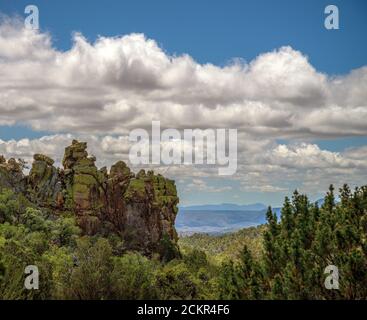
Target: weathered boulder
44, 183
84, 186
43, 158
77, 151
120, 171
11, 175
151, 209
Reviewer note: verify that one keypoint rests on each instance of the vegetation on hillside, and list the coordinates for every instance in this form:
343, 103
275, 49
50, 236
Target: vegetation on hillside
298, 248
283, 259
220, 248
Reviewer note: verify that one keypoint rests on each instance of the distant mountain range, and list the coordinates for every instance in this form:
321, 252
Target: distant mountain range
222, 218
226, 206
216, 221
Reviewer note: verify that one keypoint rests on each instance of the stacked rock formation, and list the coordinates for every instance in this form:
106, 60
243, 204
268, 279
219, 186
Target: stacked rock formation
139, 208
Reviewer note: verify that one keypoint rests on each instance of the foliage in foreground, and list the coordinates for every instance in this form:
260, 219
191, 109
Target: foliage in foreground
281, 260
298, 248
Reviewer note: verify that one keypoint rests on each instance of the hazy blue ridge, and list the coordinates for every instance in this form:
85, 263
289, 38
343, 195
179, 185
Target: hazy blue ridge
222, 218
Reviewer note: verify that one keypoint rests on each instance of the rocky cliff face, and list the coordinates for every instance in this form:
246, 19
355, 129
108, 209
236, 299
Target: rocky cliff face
139, 208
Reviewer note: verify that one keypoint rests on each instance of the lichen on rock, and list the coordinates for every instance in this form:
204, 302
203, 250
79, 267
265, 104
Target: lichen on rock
139, 208
11, 175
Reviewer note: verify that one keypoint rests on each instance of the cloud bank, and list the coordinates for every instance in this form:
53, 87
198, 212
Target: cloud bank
100, 91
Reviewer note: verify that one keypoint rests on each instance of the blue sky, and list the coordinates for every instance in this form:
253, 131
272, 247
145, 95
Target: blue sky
214, 32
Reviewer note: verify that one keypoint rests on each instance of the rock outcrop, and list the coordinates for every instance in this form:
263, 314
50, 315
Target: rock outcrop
11, 175
139, 208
